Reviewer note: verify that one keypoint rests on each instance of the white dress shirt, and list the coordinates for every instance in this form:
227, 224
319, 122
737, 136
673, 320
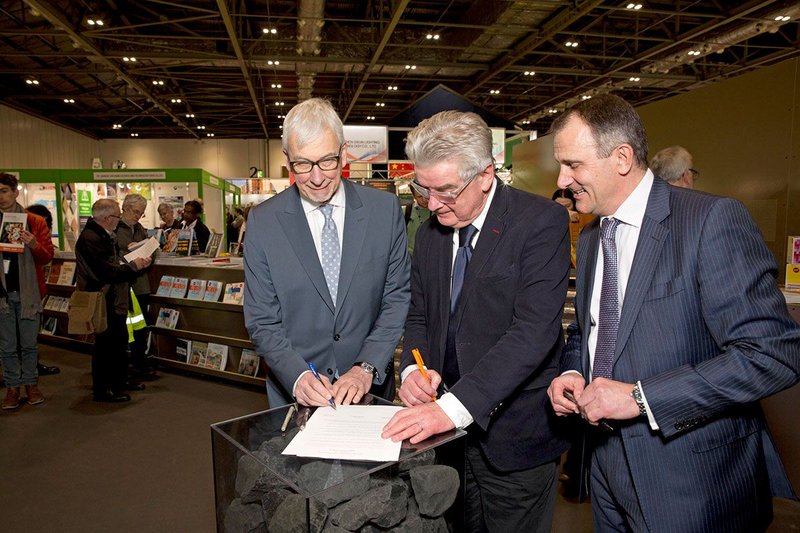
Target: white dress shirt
630, 215
451, 405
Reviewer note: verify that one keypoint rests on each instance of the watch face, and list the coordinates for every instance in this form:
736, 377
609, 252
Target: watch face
368, 368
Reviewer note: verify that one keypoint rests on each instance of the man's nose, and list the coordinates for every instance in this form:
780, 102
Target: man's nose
564, 179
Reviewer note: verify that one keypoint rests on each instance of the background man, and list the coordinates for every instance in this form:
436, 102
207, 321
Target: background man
493, 335
21, 300
326, 272
674, 165
419, 214
191, 220
100, 267
682, 331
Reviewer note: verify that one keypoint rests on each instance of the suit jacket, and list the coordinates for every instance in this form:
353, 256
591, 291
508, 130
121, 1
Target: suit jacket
508, 335
706, 330
202, 234
287, 306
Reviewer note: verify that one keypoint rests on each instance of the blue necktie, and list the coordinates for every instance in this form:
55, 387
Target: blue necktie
450, 370
608, 321
331, 254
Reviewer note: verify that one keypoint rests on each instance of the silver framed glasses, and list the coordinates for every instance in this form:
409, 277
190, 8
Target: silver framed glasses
445, 197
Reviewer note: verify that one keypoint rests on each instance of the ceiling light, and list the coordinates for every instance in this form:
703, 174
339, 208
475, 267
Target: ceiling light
571, 44
529, 73
129, 59
176, 100
411, 67
134, 134
526, 122
585, 97
391, 88
279, 104
693, 52
273, 31
434, 36
271, 62
209, 134
783, 18
276, 86
370, 117
94, 22
633, 6
494, 91
201, 127
380, 104
116, 127
189, 115
69, 101
552, 110
158, 82
31, 81
634, 78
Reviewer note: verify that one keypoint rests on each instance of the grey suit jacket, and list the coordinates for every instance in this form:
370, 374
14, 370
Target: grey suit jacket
706, 330
287, 306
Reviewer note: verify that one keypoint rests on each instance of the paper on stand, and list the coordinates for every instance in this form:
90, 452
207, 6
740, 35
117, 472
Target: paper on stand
144, 250
350, 432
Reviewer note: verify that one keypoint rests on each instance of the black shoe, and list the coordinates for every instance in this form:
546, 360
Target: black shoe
111, 396
132, 386
45, 370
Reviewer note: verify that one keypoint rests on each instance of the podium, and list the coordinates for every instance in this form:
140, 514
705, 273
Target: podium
259, 489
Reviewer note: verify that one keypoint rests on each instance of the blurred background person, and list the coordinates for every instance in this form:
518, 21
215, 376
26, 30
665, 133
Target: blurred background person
674, 165
576, 220
191, 220
167, 214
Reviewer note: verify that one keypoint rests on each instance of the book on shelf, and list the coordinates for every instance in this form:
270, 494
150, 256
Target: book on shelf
213, 290
165, 285
49, 326
11, 228
234, 293
214, 241
170, 240
67, 274
183, 348
178, 287
47, 303
55, 271
216, 356
197, 288
167, 318
248, 363
63, 304
198, 353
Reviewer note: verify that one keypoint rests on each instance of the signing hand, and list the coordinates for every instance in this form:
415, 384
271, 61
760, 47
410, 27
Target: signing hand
570, 382
352, 386
311, 391
416, 390
607, 399
417, 423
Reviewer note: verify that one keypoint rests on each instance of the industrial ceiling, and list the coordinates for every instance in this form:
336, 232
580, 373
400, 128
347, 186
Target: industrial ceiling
232, 68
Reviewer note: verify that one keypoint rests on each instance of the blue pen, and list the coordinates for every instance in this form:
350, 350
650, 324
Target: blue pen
314, 371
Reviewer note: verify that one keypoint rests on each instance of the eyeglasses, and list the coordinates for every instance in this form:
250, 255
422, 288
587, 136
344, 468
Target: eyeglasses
694, 172
136, 212
445, 197
325, 164
114, 216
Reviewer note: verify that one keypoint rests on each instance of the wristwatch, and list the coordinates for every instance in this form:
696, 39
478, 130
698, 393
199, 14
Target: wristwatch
637, 396
368, 368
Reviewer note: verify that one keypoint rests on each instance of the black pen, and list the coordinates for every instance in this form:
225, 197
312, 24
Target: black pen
314, 371
602, 423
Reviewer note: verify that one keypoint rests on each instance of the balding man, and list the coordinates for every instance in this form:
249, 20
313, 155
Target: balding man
674, 165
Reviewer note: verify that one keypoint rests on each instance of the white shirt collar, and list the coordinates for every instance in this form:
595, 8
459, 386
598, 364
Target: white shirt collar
631, 212
337, 200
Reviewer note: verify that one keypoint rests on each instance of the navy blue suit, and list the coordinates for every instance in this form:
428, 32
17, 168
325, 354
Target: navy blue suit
706, 330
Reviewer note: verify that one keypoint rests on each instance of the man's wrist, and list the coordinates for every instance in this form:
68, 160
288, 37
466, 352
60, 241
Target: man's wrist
636, 393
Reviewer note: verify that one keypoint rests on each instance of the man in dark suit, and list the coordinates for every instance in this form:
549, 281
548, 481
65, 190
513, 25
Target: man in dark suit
326, 273
493, 335
682, 331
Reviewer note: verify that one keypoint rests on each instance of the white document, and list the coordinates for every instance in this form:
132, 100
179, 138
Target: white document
144, 250
351, 432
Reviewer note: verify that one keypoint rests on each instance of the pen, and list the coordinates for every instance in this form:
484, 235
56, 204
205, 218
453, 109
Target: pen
314, 371
603, 424
421, 366
288, 417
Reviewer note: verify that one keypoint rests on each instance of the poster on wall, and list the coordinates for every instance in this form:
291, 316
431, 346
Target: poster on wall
45, 194
84, 207
366, 144
69, 211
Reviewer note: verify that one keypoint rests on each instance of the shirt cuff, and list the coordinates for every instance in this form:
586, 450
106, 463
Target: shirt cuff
650, 417
408, 370
294, 387
455, 410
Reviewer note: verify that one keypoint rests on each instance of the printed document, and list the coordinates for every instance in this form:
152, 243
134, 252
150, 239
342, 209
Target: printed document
143, 250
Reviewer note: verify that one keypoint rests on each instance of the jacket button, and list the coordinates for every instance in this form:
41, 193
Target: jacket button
330, 371
336, 337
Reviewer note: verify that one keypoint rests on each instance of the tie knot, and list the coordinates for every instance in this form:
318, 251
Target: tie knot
327, 211
465, 235
608, 228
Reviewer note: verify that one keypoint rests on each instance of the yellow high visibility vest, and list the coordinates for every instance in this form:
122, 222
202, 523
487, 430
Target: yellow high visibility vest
136, 319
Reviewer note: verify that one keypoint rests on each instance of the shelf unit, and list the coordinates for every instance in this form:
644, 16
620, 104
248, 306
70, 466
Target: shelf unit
81, 343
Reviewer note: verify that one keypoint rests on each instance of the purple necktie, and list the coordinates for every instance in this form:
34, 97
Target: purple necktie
608, 321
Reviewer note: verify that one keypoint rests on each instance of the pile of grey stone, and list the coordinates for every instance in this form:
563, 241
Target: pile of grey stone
410, 496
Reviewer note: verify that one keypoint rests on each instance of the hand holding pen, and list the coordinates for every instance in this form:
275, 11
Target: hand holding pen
419, 387
312, 390
314, 371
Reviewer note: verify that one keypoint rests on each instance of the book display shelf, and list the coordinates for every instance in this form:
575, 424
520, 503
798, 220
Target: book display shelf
60, 279
197, 317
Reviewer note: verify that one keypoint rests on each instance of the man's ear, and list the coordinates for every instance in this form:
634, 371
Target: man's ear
625, 158
487, 177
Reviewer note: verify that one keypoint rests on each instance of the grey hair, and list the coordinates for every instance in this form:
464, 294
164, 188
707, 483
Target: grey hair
305, 121
612, 122
456, 136
134, 199
104, 207
164, 206
670, 163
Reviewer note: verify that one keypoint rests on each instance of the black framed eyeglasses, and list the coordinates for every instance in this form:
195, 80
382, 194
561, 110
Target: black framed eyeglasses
303, 166
695, 173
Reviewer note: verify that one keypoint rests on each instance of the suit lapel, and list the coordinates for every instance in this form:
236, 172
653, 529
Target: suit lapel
295, 225
355, 230
648, 250
588, 246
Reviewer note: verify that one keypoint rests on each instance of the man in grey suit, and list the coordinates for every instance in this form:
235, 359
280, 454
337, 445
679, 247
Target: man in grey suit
326, 273
682, 331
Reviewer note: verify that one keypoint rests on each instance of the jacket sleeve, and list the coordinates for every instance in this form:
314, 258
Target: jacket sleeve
44, 251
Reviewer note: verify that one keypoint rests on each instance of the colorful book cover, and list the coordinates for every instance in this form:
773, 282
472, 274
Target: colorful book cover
174, 314
67, 274
213, 289
197, 288
179, 287
185, 242
183, 349
198, 353
248, 363
165, 285
162, 321
216, 356
11, 228
234, 293
55, 272
63, 304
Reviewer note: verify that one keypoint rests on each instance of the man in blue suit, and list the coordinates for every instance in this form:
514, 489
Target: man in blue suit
489, 278
682, 331
326, 273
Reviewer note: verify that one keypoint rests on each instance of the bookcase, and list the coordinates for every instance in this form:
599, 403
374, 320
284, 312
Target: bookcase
60, 284
200, 321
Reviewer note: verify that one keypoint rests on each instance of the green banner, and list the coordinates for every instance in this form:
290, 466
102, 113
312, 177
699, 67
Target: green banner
84, 203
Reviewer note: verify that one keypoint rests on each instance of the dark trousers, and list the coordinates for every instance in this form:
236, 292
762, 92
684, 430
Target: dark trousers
506, 502
109, 360
615, 505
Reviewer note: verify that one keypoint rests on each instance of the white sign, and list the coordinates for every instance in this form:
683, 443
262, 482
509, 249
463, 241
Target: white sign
138, 176
213, 180
367, 144
499, 145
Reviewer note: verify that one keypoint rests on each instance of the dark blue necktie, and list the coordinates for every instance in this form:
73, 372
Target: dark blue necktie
450, 371
608, 321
